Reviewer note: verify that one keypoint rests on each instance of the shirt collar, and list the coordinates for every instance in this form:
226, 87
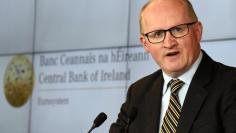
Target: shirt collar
186, 77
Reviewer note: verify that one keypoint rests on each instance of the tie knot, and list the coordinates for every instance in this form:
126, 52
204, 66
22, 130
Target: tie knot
175, 85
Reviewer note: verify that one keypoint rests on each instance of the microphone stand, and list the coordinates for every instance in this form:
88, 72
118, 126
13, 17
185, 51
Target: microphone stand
92, 128
98, 121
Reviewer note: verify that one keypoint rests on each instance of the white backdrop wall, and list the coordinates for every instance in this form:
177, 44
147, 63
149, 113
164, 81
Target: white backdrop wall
93, 47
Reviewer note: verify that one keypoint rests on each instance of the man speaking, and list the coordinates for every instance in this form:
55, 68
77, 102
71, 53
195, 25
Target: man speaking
191, 93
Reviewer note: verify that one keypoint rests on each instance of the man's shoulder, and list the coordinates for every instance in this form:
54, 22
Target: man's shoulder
144, 84
141, 87
226, 72
208, 66
149, 78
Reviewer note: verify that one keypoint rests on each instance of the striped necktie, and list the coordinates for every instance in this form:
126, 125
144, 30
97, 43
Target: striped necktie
171, 118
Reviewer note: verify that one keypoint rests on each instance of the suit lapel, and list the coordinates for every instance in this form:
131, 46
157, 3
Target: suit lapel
196, 94
153, 106
191, 107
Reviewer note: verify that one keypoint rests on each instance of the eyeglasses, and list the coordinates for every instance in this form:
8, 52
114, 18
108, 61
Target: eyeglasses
178, 31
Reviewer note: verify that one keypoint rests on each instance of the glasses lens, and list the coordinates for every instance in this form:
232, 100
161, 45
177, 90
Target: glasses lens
179, 31
156, 36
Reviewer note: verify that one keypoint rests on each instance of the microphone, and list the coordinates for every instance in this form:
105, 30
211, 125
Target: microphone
98, 121
131, 116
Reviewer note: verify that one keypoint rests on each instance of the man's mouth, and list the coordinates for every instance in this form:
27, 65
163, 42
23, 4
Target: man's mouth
172, 53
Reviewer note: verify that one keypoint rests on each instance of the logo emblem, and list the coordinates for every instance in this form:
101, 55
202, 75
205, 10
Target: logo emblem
18, 80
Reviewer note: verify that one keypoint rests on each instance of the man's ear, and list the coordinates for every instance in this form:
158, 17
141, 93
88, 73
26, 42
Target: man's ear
144, 43
198, 31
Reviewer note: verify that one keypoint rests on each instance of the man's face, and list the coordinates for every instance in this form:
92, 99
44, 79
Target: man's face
174, 55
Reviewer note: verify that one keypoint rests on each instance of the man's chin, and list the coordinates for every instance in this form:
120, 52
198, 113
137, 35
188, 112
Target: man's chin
174, 72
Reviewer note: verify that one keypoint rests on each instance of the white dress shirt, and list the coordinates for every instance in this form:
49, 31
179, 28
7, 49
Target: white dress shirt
186, 78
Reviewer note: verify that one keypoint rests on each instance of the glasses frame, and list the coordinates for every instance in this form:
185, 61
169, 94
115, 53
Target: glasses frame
187, 24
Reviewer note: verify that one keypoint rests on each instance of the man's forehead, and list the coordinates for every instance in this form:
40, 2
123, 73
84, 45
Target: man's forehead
164, 7
160, 3
160, 17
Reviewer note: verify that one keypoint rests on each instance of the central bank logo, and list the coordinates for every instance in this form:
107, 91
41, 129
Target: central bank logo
18, 80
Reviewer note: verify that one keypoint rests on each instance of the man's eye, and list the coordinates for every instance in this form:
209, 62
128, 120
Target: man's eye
177, 29
157, 34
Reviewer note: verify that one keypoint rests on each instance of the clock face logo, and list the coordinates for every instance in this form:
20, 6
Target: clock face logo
18, 80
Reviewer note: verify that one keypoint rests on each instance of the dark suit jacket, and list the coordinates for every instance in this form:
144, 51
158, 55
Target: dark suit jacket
209, 106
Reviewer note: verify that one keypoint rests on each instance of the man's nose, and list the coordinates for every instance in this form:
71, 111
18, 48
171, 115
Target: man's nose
170, 40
